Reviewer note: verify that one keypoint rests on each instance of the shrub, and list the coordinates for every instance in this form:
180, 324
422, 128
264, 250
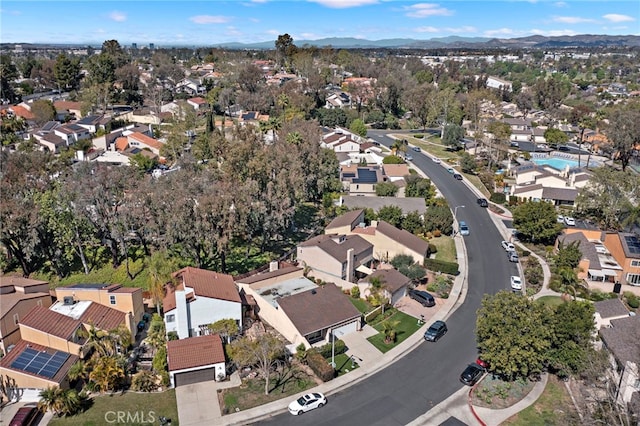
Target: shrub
325, 350
437, 233
355, 292
450, 268
418, 136
433, 248
320, 366
632, 300
525, 253
498, 198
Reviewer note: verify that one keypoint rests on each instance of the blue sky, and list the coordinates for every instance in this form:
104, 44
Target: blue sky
212, 22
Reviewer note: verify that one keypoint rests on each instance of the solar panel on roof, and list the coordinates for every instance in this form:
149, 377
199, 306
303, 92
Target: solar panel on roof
632, 243
40, 363
366, 176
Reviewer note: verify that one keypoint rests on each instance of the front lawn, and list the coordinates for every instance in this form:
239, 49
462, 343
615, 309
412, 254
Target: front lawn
407, 325
552, 301
361, 305
251, 393
143, 409
344, 364
446, 248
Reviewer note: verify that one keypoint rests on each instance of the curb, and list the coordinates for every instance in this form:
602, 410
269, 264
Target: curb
473, 411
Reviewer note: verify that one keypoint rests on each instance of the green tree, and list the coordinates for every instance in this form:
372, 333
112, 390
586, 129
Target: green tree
468, 163
264, 351
143, 163
536, 221
358, 127
573, 330
391, 214
8, 128
386, 189
284, 49
8, 73
160, 266
452, 135
43, 111
513, 334
392, 159
226, 328
568, 256
412, 222
67, 72
555, 136
417, 186
438, 218
62, 402
624, 132
107, 374
159, 362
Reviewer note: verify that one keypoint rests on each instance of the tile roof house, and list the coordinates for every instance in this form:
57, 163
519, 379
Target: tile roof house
198, 103
200, 298
68, 108
196, 359
142, 141
303, 312
17, 297
596, 264
625, 249
332, 257
389, 241
394, 284
361, 180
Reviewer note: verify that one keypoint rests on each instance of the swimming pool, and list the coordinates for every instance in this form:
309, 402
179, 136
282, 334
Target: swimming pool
559, 164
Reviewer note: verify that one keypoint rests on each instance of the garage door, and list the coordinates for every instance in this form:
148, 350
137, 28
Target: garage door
191, 377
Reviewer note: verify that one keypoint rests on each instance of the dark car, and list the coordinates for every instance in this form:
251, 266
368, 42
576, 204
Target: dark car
457, 176
482, 202
141, 325
435, 331
472, 374
416, 148
25, 416
422, 297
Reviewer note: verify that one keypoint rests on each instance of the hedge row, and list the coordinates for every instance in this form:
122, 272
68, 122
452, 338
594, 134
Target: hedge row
320, 366
325, 350
445, 267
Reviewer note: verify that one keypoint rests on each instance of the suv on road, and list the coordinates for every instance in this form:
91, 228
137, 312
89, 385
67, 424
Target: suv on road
457, 176
422, 297
435, 331
472, 374
482, 202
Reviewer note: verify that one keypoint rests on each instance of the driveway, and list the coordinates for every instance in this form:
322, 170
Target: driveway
198, 404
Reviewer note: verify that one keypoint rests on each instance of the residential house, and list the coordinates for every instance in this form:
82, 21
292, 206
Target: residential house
115, 296
303, 312
625, 249
542, 183
198, 103
596, 263
50, 142
142, 141
344, 223
393, 284
71, 133
191, 86
407, 204
332, 257
106, 142
93, 122
194, 360
361, 180
17, 297
66, 109
339, 99
199, 299
395, 172
389, 241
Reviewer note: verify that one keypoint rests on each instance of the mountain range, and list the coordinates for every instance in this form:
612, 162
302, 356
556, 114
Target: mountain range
532, 42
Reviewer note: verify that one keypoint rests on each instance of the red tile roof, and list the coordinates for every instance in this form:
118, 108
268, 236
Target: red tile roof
51, 322
194, 352
205, 284
122, 143
146, 140
102, 317
21, 111
197, 100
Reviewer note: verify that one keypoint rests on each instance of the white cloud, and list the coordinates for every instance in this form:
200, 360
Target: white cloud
117, 16
614, 17
209, 19
500, 32
273, 32
424, 10
427, 30
465, 29
571, 19
10, 12
344, 4
553, 33
560, 4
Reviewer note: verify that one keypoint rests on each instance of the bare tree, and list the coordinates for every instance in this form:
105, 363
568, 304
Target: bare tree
264, 352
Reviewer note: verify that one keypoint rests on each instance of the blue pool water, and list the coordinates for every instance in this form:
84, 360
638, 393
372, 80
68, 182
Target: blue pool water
557, 163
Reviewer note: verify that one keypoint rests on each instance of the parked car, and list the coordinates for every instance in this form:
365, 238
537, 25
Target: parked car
507, 246
482, 202
464, 228
512, 256
472, 374
435, 331
451, 170
560, 219
457, 176
482, 363
569, 221
307, 402
516, 283
422, 297
436, 160
408, 157
416, 148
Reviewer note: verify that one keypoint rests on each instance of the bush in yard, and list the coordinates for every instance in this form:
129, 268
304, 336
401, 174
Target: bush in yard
320, 366
436, 234
355, 292
433, 249
632, 300
450, 268
498, 198
325, 350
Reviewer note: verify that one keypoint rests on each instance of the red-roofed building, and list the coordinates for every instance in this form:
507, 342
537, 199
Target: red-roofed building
196, 359
198, 103
200, 298
122, 143
22, 111
138, 140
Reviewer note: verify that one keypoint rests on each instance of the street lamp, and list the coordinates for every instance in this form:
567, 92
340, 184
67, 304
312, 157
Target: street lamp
455, 218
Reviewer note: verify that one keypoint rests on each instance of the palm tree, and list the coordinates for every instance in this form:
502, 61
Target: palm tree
107, 374
389, 331
78, 371
398, 145
96, 340
160, 267
630, 216
144, 381
60, 401
378, 288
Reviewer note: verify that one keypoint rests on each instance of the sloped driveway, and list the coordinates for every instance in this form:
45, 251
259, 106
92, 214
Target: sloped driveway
198, 404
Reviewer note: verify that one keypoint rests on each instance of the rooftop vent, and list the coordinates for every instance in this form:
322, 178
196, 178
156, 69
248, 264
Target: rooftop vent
68, 300
313, 291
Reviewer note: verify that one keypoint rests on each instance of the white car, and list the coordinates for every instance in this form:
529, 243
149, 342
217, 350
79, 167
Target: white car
560, 219
307, 402
507, 246
436, 160
569, 221
516, 283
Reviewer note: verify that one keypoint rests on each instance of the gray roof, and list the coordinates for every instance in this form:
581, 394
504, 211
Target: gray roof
338, 250
623, 339
563, 194
587, 248
318, 309
393, 280
376, 203
610, 308
403, 237
266, 275
349, 218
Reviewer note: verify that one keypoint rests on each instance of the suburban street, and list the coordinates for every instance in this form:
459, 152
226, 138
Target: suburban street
427, 375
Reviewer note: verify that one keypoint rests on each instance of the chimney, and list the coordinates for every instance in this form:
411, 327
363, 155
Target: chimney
273, 266
350, 256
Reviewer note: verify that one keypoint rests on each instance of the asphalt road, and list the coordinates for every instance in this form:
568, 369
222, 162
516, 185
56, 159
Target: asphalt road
427, 375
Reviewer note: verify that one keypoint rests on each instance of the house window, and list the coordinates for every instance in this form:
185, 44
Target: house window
635, 263
633, 279
314, 337
16, 319
170, 318
112, 300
